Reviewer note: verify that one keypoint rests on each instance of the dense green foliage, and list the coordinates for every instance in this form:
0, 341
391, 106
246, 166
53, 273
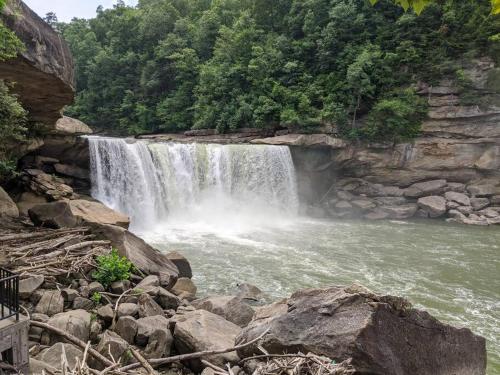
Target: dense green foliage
172, 65
112, 267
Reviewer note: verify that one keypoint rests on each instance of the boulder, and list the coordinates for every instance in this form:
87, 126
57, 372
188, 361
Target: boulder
119, 287
148, 307
28, 285
148, 281
159, 344
363, 204
52, 356
390, 201
383, 335
95, 287
184, 288
466, 210
128, 309
343, 205
90, 212
113, 345
72, 171
145, 258
230, 308
457, 187
105, 313
460, 198
250, 292
482, 190
377, 214
421, 189
479, 203
202, 330
28, 200
75, 322
400, 212
435, 205
70, 126
146, 327
37, 367
126, 327
83, 304
53, 215
167, 300
51, 303
181, 263
7, 205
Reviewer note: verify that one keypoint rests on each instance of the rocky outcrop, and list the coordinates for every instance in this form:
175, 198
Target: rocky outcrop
383, 335
44, 72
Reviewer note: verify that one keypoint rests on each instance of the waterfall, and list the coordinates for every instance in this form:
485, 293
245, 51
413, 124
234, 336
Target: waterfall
157, 182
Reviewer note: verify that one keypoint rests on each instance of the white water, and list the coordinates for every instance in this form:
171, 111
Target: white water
195, 184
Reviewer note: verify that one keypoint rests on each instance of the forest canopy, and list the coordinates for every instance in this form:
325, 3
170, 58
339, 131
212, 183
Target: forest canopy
173, 65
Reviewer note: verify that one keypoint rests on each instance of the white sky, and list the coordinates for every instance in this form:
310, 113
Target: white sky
67, 9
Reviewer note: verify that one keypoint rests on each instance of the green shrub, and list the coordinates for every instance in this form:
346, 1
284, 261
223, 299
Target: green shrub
396, 117
112, 267
96, 297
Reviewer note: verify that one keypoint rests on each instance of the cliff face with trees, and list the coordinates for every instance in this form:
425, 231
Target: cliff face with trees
173, 65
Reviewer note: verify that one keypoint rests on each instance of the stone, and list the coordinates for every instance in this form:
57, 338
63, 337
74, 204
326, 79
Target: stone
83, 303
70, 126
308, 140
51, 303
146, 326
390, 201
74, 322
422, 214
148, 307
119, 287
92, 212
421, 189
69, 294
112, 344
479, 203
392, 191
148, 281
466, 210
363, 204
345, 195
456, 187
181, 263
460, 198
230, 308
482, 190
489, 213
495, 199
72, 171
95, 287
53, 215
377, 214
145, 258
28, 285
382, 334
126, 327
400, 212
456, 215
343, 205
105, 313
435, 205
202, 330
127, 309
38, 367
450, 205
184, 287
167, 300
159, 344
95, 331
52, 355
27, 200
250, 292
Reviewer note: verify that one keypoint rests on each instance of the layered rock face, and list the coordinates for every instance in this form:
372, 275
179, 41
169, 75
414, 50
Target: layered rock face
44, 72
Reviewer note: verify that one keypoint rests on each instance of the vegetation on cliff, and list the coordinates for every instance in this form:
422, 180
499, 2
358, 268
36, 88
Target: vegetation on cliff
174, 65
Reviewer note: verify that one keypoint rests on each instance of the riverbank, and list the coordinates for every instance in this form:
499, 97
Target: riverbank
157, 314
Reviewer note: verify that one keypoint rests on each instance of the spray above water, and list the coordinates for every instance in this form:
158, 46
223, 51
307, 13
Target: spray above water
234, 187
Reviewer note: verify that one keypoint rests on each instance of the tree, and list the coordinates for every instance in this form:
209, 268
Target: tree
51, 19
419, 5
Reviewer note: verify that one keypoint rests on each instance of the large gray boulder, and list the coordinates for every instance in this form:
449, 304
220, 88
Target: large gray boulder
181, 263
51, 303
7, 205
202, 330
460, 198
148, 325
383, 335
421, 189
28, 285
53, 355
126, 327
230, 308
434, 205
74, 322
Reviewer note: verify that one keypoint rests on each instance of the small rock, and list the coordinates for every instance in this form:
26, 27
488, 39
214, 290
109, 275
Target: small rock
7, 205
126, 327
105, 313
168, 300
51, 303
181, 263
452, 205
466, 210
29, 285
184, 287
148, 307
461, 199
95, 287
392, 191
489, 213
127, 309
148, 281
69, 295
435, 205
119, 287
250, 292
422, 214
84, 291
83, 303
146, 327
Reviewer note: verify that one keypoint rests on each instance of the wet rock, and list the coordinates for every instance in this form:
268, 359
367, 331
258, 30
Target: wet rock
181, 263
52, 356
147, 259
230, 308
51, 303
126, 327
184, 288
74, 322
435, 205
28, 285
461, 199
382, 334
7, 205
148, 307
53, 215
400, 212
147, 326
489, 213
421, 189
202, 330
392, 191
128, 309
479, 203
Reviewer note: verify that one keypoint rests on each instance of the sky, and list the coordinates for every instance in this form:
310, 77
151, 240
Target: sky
67, 9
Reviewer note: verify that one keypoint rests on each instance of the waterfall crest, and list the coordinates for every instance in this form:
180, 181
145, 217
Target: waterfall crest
156, 182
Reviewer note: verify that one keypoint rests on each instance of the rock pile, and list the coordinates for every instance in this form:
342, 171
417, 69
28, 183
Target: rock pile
477, 203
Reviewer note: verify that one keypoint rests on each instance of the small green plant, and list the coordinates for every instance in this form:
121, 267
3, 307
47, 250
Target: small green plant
112, 267
96, 297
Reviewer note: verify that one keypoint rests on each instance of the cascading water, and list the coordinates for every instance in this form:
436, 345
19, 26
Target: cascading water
224, 184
